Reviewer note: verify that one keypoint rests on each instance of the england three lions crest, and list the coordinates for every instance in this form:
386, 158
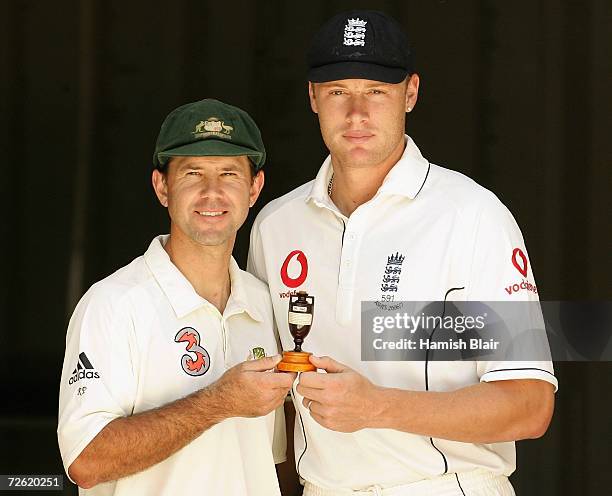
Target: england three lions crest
355, 32
390, 281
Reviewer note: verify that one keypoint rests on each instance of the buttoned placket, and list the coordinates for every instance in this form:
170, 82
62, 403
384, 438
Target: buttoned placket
222, 320
349, 252
226, 351
231, 309
349, 262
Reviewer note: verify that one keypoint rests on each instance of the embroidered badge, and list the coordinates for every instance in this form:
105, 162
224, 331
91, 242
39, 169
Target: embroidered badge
212, 127
354, 32
257, 353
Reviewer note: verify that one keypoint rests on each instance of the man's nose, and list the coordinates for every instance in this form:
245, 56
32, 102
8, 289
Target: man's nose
358, 109
210, 187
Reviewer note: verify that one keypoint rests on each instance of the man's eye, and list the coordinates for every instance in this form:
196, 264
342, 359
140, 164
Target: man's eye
228, 174
336, 92
193, 173
376, 92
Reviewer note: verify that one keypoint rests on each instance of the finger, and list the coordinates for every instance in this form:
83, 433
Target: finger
271, 397
270, 405
328, 364
309, 404
261, 364
293, 375
279, 403
315, 412
314, 380
311, 394
281, 381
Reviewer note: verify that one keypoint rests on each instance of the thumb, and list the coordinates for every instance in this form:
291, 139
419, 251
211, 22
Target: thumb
328, 364
262, 364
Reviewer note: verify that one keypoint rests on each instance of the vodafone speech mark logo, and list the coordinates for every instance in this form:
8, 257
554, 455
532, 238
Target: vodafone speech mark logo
519, 260
300, 258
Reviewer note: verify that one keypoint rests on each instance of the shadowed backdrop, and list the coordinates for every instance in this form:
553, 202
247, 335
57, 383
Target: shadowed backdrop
514, 94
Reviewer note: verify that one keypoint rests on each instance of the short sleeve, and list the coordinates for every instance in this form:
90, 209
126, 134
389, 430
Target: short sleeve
256, 264
499, 260
500, 270
98, 382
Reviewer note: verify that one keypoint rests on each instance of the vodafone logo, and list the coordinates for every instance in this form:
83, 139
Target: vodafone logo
524, 285
519, 260
294, 258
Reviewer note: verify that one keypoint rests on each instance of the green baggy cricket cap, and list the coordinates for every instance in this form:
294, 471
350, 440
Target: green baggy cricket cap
209, 128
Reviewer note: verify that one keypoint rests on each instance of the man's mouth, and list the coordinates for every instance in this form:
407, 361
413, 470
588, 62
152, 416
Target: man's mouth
211, 213
358, 134
357, 137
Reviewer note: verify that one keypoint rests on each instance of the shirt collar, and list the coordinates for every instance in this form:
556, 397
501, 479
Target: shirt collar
181, 294
406, 177
239, 300
318, 192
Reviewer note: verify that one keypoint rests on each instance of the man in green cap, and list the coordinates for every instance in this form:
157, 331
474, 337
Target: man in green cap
166, 384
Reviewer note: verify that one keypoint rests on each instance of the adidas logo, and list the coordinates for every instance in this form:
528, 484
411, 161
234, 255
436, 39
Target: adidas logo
83, 370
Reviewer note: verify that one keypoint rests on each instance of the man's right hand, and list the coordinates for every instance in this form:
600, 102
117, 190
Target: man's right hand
252, 388
128, 445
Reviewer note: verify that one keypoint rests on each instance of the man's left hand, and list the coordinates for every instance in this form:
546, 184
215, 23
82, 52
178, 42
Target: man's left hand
341, 400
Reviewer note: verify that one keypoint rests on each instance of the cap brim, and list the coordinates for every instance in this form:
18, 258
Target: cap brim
357, 70
210, 148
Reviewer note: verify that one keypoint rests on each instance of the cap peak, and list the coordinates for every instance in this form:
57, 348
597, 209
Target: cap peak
209, 127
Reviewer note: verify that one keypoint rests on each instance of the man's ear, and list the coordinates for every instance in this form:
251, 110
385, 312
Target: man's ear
412, 91
256, 186
312, 96
160, 185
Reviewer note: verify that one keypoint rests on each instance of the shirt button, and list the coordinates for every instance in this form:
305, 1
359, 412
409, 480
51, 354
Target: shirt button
347, 263
352, 236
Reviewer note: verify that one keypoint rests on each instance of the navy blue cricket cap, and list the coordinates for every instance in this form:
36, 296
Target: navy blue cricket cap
360, 44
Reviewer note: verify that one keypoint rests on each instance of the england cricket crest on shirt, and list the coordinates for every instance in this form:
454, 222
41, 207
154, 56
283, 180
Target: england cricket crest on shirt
390, 281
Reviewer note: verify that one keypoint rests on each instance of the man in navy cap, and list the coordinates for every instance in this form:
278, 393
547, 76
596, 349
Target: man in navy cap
381, 223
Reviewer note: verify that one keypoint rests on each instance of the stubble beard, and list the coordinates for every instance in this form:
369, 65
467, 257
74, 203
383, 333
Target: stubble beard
210, 237
362, 158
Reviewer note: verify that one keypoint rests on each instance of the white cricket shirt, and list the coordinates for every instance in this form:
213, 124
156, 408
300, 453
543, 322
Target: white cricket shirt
429, 234
142, 338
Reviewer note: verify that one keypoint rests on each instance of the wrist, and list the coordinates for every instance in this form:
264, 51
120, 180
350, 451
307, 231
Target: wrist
213, 405
387, 404
381, 405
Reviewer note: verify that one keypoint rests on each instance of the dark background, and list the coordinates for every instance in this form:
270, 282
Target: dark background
514, 94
